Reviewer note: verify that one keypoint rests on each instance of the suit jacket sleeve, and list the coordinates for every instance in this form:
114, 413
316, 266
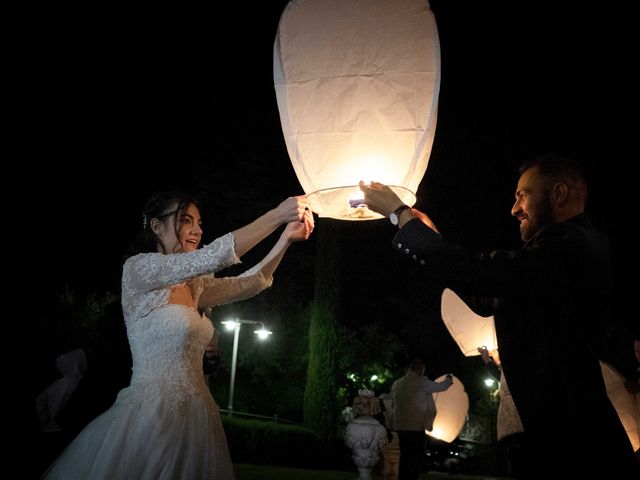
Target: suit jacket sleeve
537, 266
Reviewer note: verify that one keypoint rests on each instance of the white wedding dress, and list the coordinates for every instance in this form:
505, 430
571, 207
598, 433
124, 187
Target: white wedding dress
165, 425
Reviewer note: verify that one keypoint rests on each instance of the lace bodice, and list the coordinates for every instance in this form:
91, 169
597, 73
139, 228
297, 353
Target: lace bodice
167, 341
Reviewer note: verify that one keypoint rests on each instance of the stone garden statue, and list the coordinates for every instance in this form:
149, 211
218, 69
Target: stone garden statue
365, 435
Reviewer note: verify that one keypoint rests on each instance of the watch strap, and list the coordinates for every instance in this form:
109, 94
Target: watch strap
395, 215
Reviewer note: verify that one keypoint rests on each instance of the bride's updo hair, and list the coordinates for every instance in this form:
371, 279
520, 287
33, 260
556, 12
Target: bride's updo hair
160, 206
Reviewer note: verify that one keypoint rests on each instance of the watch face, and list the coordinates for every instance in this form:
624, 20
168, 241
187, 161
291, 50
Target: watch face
394, 217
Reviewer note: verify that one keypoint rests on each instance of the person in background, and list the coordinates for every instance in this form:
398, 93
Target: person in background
211, 358
166, 425
72, 366
509, 430
633, 385
414, 411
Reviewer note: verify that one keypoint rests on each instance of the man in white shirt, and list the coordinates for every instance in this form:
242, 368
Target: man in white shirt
413, 412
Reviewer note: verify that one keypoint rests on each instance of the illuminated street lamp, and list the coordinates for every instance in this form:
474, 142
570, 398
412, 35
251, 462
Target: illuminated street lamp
235, 325
489, 382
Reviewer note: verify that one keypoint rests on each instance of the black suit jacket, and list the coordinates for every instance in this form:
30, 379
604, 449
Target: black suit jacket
549, 300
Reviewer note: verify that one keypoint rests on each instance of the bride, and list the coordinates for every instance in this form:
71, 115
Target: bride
166, 425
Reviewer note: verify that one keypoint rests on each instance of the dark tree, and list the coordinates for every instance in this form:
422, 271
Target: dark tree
321, 390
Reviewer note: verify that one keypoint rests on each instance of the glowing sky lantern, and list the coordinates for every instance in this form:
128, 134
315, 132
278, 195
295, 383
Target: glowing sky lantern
625, 403
468, 329
452, 406
357, 84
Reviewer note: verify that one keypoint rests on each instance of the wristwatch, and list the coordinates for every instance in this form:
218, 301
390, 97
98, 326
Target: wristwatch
395, 215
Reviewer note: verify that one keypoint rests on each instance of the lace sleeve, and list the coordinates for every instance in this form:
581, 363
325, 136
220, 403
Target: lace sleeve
218, 291
149, 271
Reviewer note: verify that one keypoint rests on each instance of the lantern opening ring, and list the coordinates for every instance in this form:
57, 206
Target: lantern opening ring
347, 202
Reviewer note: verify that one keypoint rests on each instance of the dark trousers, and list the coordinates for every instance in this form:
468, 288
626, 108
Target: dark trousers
411, 454
511, 452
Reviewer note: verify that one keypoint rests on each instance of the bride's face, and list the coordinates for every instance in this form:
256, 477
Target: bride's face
184, 237
190, 229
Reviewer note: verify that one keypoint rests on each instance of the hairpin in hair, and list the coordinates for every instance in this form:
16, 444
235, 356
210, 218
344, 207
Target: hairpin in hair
144, 221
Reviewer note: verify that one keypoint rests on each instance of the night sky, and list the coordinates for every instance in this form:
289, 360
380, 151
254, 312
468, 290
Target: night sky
144, 105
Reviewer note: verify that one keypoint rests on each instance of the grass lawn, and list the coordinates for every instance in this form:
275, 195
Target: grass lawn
263, 472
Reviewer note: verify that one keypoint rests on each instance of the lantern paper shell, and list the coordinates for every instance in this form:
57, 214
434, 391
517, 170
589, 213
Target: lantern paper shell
452, 406
357, 84
625, 403
468, 329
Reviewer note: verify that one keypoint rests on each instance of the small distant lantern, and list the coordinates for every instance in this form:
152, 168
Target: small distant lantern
452, 406
470, 330
357, 85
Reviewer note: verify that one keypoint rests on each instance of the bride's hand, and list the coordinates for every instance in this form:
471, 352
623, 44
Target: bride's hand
292, 209
300, 230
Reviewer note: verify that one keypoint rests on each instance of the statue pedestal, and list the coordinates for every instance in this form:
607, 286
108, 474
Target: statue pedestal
391, 455
366, 437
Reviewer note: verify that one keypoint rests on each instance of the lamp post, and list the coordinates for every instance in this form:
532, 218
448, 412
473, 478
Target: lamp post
493, 387
235, 325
